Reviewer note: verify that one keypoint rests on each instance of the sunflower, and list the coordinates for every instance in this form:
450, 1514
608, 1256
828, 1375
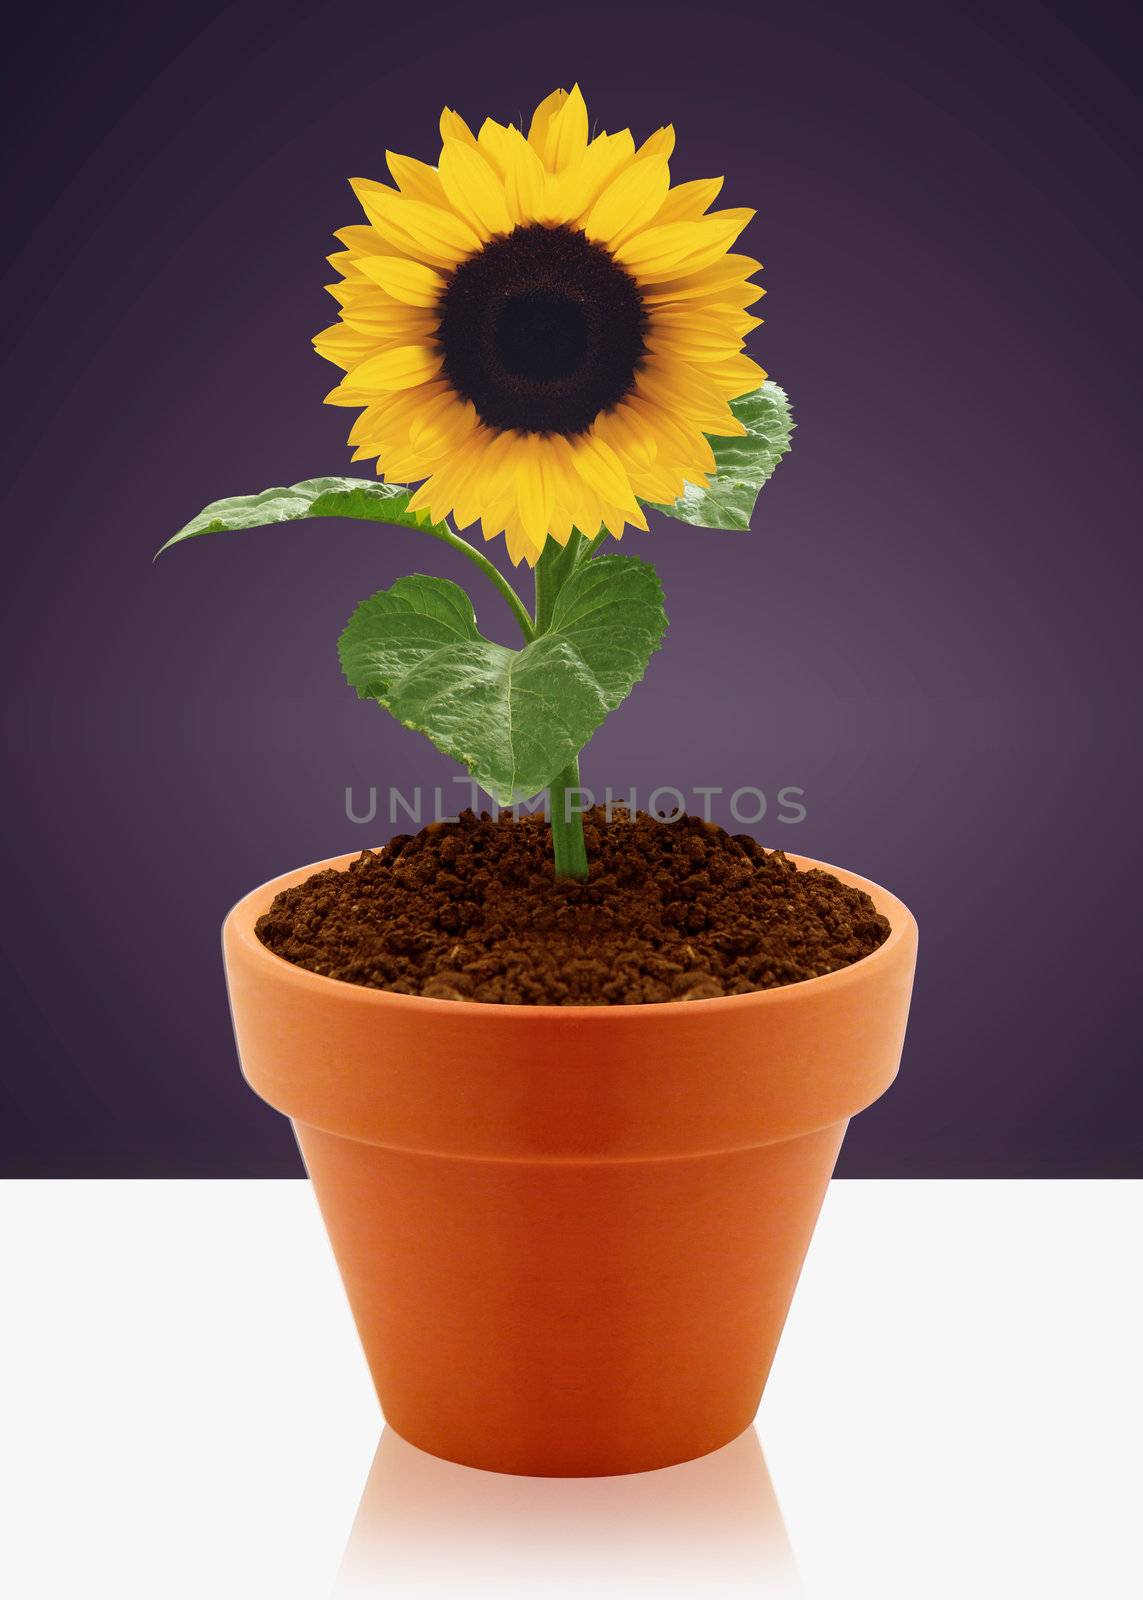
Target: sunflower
541, 329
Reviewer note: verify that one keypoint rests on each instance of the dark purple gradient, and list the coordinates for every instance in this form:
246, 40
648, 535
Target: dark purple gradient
933, 628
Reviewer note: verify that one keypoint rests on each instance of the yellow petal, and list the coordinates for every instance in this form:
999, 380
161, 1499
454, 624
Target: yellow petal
621, 429
677, 249
731, 297
742, 214
393, 470
587, 513
602, 470
345, 346
391, 238
492, 141
403, 367
450, 477
362, 238
660, 485
345, 262
345, 395
416, 327
494, 513
687, 201
423, 498
724, 276
565, 478
690, 387
524, 179
441, 422
661, 143
411, 282
435, 235
357, 291
629, 201
519, 546
473, 189
416, 178
581, 185
566, 138
490, 481
736, 375
454, 126
534, 495
560, 200
728, 321
576, 495
386, 319
678, 387
387, 421
631, 512
560, 527
691, 343
679, 441
438, 492
542, 119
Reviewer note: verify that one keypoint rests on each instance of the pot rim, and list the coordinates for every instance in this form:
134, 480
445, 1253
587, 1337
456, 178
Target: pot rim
240, 920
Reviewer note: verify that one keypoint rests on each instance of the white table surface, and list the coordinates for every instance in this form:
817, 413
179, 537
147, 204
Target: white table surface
956, 1410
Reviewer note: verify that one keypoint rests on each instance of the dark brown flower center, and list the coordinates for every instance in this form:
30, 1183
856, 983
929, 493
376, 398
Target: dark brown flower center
542, 330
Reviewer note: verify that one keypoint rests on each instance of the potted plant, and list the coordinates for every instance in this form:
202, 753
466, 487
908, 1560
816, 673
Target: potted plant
570, 1091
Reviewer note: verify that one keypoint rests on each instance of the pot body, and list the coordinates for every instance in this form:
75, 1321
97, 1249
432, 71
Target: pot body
569, 1235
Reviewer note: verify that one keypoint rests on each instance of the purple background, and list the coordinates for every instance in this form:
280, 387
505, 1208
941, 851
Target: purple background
933, 628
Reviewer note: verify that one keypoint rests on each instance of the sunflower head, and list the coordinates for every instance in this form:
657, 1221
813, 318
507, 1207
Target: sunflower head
540, 327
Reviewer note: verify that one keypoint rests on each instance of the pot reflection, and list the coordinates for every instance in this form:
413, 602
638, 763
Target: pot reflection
427, 1527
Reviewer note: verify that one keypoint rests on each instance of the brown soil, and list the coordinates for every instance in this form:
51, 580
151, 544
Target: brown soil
672, 911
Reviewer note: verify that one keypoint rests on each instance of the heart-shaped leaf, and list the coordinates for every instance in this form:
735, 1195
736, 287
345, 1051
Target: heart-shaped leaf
742, 465
394, 632
361, 498
514, 718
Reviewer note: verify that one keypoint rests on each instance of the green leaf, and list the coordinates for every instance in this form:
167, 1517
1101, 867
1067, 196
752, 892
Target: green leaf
514, 718
553, 569
362, 498
396, 631
742, 465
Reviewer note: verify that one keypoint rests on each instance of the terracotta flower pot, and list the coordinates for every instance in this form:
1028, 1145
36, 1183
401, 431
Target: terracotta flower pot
569, 1235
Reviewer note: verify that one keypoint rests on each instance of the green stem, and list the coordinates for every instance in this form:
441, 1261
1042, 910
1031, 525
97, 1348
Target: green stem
544, 598
493, 574
567, 825
553, 570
